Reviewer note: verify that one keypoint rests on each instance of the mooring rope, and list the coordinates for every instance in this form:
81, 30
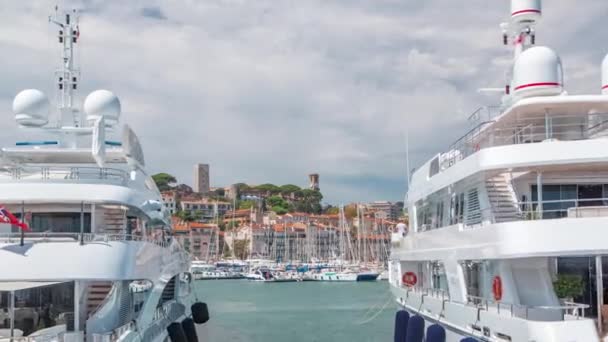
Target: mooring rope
389, 299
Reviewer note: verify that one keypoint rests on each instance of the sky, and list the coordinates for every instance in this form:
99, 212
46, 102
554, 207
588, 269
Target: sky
268, 91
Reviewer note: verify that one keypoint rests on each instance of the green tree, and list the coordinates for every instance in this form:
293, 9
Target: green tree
227, 251
231, 225
241, 249
219, 192
164, 181
279, 210
246, 204
288, 189
190, 216
350, 211
271, 188
332, 210
309, 201
277, 201
242, 187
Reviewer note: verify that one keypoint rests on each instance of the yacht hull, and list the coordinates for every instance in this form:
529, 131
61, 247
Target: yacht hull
487, 323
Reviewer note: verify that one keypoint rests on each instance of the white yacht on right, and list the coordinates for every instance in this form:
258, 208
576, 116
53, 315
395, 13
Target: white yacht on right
485, 247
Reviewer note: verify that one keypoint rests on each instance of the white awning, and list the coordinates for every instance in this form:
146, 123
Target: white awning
10, 286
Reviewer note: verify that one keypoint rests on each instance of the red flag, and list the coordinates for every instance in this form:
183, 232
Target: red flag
7, 217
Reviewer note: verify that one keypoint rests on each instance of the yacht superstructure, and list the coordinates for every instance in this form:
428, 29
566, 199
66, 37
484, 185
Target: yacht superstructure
97, 261
491, 218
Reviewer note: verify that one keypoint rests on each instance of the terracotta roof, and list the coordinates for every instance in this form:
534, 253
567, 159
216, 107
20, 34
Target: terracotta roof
299, 215
326, 216
278, 227
237, 213
182, 226
199, 225
192, 200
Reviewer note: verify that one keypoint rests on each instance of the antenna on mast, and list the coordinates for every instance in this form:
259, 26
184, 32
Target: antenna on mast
67, 75
520, 32
407, 164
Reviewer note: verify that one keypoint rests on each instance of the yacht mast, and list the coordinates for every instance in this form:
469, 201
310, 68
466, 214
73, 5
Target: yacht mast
67, 75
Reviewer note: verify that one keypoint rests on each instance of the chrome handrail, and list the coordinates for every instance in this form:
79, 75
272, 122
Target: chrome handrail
481, 303
577, 309
86, 237
580, 127
45, 173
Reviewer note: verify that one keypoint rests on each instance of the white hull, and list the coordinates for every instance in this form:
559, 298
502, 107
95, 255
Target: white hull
464, 320
342, 276
216, 276
336, 277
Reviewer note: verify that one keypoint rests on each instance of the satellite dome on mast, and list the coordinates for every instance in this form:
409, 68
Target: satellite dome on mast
102, 103
537, 72
605, 76
525, 11
31, 108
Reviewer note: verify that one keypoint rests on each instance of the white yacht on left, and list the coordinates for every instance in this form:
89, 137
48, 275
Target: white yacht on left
85, 243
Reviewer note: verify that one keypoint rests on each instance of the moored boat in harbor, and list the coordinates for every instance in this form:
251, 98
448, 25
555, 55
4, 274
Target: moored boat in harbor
493, 217
88, 253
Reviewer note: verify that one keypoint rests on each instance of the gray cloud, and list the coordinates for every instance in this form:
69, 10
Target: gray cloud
271, 90
153, 13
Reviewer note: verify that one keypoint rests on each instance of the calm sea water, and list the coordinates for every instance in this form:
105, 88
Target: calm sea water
245, 311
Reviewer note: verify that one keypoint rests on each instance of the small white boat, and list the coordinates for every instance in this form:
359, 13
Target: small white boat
210, 272
266, 275
260, 275
347, 275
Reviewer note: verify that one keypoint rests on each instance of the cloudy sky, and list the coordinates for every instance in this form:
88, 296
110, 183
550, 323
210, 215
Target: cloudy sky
271, 90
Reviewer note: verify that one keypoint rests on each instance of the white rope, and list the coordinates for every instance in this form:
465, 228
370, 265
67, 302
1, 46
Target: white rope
389, 299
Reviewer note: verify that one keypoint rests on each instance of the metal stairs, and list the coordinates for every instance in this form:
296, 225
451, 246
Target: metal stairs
97, 293
502, 199
169, 291
114, 219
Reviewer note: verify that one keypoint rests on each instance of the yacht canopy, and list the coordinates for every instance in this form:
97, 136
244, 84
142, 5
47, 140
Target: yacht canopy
556, 105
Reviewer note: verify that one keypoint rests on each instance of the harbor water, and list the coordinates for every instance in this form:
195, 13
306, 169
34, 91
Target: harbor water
246, 311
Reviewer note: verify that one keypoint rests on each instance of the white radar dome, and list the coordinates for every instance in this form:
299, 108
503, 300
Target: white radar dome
605, 76
102, 103
31, 108
525, 11
537, 72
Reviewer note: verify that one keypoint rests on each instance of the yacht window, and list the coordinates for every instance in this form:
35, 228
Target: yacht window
557, 198
59, 222
438, 277
439, 215
473, 210
461, 208
453, 210
434, 167
457, 209
39, 307
471, 277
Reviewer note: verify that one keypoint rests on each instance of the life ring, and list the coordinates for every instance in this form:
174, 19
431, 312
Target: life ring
409, 279
497, 288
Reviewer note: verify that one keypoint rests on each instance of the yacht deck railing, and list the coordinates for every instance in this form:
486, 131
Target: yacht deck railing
50, 237
526, 130
572, 309
586, 207
66, 174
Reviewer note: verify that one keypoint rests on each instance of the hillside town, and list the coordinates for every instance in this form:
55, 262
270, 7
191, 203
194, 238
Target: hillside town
281, 223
